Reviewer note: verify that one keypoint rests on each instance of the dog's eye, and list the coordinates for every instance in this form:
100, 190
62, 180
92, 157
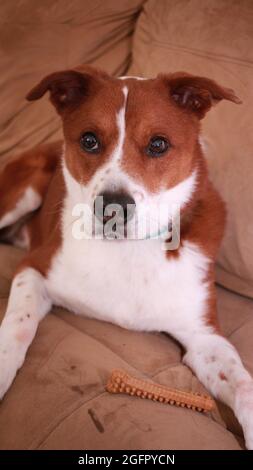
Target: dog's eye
90, 143
157, 146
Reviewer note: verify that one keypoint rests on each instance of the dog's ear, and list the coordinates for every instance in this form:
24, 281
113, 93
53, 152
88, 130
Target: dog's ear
67, 89
198, 94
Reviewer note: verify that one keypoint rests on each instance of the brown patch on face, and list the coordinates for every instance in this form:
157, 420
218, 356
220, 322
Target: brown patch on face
97, 114
152, 112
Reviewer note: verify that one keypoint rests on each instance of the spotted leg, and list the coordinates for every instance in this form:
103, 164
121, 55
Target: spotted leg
219, 367
28, 304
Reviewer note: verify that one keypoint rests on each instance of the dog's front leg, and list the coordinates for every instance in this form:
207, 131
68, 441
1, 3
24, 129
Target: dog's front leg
28, 303
219, 367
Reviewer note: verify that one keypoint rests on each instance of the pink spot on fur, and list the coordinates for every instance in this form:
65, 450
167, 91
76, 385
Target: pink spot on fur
23, 335
222, 376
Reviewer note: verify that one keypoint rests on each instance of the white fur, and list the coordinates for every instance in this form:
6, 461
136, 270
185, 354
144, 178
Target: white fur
28, 303
133, 77
29, 202
138, 288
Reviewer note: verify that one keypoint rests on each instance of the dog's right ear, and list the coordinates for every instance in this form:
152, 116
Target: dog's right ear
67, 89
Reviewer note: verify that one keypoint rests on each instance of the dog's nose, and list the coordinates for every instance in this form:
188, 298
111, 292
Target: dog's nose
122, 199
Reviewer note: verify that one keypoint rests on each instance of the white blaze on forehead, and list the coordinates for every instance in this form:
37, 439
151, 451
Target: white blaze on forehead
132, 77
121, 125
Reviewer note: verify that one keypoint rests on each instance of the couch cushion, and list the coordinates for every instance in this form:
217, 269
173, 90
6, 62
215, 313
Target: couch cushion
212, 39
60, 394
36, 41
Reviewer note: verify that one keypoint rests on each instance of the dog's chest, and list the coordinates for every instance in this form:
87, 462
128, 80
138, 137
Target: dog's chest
130, 283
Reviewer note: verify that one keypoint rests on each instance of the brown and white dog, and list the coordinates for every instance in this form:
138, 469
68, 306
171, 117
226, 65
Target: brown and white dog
136, 143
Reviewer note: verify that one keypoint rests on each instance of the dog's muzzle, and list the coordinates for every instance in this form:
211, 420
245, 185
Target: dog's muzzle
114, 204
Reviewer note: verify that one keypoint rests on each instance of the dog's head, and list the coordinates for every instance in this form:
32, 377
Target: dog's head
133, 141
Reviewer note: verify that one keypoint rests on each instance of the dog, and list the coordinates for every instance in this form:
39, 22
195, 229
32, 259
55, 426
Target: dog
131, 145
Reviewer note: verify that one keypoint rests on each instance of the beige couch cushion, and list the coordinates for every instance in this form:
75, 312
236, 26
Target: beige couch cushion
62, 384
213, 39
37, 38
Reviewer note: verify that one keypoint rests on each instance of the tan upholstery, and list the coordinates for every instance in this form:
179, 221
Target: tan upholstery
61, 384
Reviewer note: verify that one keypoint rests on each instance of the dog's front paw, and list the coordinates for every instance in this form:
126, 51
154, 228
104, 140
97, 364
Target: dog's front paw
244, 411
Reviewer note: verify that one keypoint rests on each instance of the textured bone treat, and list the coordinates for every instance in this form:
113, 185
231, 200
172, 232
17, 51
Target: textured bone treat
121, 382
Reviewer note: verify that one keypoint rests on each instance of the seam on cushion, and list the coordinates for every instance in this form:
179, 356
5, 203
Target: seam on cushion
163, 369
28, 135
66, 417
45, 139
227, 289
206, 55
235, 330
64, 23
209, 415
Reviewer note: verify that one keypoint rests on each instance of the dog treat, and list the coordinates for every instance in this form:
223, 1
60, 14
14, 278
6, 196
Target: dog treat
121, 382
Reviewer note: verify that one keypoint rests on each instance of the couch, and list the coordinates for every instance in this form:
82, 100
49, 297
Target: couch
58, 399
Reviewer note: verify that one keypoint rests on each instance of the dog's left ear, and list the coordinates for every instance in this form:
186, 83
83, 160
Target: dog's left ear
66, 88
198, 94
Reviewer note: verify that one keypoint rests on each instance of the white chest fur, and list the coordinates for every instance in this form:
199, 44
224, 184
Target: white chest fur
130, 283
